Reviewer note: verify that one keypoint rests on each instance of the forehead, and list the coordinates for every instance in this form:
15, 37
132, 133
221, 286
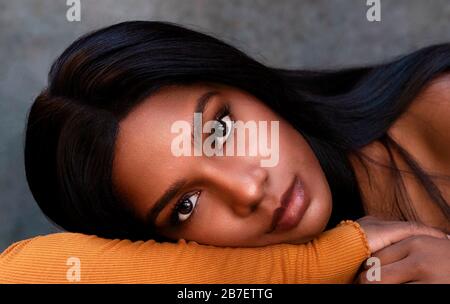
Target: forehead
143, 162
151, 120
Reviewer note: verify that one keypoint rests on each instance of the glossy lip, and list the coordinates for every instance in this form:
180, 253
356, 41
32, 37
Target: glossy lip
293, 207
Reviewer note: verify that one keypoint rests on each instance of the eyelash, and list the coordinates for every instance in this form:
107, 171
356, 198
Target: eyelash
175, 221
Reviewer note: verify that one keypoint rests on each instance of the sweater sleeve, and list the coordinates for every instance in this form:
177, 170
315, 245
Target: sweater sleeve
333, 257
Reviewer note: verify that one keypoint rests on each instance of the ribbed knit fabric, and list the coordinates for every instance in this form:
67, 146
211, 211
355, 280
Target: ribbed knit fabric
333, 257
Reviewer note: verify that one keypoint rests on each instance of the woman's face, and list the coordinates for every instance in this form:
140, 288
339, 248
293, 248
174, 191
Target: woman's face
217, 200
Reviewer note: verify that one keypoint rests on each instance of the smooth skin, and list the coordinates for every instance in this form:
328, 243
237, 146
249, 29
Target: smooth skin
236, 197
424, 131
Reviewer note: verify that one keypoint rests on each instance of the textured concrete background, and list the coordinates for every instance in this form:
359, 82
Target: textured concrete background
296, 34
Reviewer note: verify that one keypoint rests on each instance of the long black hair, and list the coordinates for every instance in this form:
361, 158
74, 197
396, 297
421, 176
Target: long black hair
73, 123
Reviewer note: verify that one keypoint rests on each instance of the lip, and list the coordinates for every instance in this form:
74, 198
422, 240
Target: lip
293, 207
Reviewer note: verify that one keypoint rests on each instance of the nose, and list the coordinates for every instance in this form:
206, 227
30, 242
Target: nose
243, 187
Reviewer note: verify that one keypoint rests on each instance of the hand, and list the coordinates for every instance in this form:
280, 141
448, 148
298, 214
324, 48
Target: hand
381, 234
420, 259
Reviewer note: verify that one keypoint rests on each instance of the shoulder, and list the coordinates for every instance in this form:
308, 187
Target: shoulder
433, 102
432, 105
425, 125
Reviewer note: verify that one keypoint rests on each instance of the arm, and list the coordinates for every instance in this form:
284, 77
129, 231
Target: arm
334, 257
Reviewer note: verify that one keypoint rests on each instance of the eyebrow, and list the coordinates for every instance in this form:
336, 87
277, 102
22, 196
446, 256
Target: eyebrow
175, 187
164, 200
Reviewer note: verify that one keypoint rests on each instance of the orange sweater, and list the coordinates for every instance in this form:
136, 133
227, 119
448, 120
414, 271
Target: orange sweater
333, 257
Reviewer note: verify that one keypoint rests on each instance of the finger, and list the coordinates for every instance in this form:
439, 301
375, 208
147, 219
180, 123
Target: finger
395, 273
391, 254
415, 228
399, 231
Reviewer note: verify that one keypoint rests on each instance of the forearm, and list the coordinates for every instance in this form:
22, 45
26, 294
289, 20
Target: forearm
334, 257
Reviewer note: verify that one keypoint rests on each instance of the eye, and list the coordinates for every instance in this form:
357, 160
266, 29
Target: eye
186, 206
223, 127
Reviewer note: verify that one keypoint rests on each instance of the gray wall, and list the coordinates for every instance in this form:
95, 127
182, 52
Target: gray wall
286, 33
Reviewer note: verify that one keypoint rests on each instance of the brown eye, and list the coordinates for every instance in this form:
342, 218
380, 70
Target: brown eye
186, 206
223, 126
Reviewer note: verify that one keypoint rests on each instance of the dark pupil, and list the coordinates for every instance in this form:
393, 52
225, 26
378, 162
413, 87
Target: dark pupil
185, 207
222, 128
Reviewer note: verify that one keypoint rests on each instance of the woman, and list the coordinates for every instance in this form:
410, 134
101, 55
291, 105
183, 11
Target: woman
351, 143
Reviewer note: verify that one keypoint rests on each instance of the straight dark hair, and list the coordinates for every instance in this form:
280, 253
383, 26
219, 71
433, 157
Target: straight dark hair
73, 123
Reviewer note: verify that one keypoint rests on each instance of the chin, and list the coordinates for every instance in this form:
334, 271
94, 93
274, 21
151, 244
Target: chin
313, 223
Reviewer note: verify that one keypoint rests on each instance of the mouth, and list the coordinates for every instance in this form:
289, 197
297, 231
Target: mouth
293, 207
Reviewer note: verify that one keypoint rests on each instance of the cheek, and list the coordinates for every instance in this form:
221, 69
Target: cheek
298, 155
293, 147
302, 157
296, 151
216, 224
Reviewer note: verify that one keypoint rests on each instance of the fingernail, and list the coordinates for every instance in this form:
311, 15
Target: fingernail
448, 236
